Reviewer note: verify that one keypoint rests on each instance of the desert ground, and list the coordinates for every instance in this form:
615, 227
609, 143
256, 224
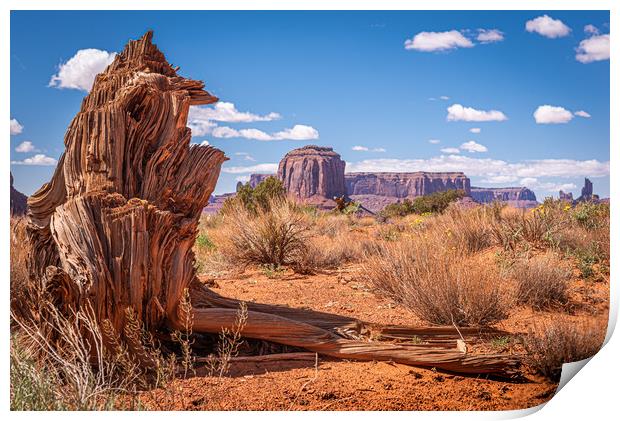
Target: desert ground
545, 286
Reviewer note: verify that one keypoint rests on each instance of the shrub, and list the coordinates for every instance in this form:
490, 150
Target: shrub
438, 285
434, 203
542, 281
466, 230
259, 198
273, 236
551, 344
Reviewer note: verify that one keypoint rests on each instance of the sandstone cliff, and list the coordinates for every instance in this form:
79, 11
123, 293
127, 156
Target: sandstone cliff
256, 179
402, 185
314, 174
520, 197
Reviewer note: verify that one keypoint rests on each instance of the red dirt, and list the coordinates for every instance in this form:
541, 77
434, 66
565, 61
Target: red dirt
349, 385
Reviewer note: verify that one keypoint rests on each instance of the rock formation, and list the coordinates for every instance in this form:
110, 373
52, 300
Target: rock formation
405, 185
18, 201
256, 179
567, 197
519, 197
313, 174
586, 192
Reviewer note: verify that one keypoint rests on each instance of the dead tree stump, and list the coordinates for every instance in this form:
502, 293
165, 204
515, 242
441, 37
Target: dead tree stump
115, 226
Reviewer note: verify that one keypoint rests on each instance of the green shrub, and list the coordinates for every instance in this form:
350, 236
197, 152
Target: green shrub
432, 203
258, 198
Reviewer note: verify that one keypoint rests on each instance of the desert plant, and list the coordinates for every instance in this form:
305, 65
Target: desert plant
559, 341
275, 236
258, 198
438, 285
434, 203
542, 281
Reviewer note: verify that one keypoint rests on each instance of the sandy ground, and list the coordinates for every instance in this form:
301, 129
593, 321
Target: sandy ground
329, 384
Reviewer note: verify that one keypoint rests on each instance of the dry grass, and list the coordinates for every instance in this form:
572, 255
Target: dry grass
542, 281
438, 285
551, 344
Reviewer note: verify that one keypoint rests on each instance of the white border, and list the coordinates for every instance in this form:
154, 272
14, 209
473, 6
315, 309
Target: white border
592, 395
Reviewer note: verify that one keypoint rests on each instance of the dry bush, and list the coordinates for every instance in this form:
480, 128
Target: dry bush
276, 236
542, 281
466, 230
438, 284
323, 252
551, 344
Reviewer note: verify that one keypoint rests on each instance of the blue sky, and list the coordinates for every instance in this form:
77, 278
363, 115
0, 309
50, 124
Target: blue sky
377, 86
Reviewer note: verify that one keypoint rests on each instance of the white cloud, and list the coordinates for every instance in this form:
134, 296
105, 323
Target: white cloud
486, 167
438, 41
583, 114
595, 48
590, 29
533, 183
25, 146
38, 159
457, 112
228, 113
486, 36
444, 97
16, 128
80, 70
245, 156
450, 150
547, 27
475, 130
500, 179
359, 148
204, 143
243, 178
434, 141
472, 146
549, 114
297, 132
258, 168
378, 150
201, 127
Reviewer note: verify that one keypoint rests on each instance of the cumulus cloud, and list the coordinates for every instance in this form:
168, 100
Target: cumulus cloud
486, 36
359, 148
16, 128
258, 168
487, 167
457, 112
450, 150
547, 27
500, 179
595, 48
475, 130
438, 41
243, 178
297, 132
245, 156
434, 141
590, 29
204, 143
80, 70
227, 112
25, 147
534, 183
583, 114
38, 159
472, 146
549, 114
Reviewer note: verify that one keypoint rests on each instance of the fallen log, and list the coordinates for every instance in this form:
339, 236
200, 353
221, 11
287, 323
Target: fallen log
115, 226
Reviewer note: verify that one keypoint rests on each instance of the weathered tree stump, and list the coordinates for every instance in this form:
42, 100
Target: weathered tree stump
115, 226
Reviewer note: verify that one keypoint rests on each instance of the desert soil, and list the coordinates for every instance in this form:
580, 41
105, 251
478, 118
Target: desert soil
350, 385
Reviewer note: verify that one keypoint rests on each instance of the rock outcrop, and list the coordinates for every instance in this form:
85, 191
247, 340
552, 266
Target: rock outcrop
586, 192
567, 197
519, 197
313, 174
256, 179
405, 185
18, 201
